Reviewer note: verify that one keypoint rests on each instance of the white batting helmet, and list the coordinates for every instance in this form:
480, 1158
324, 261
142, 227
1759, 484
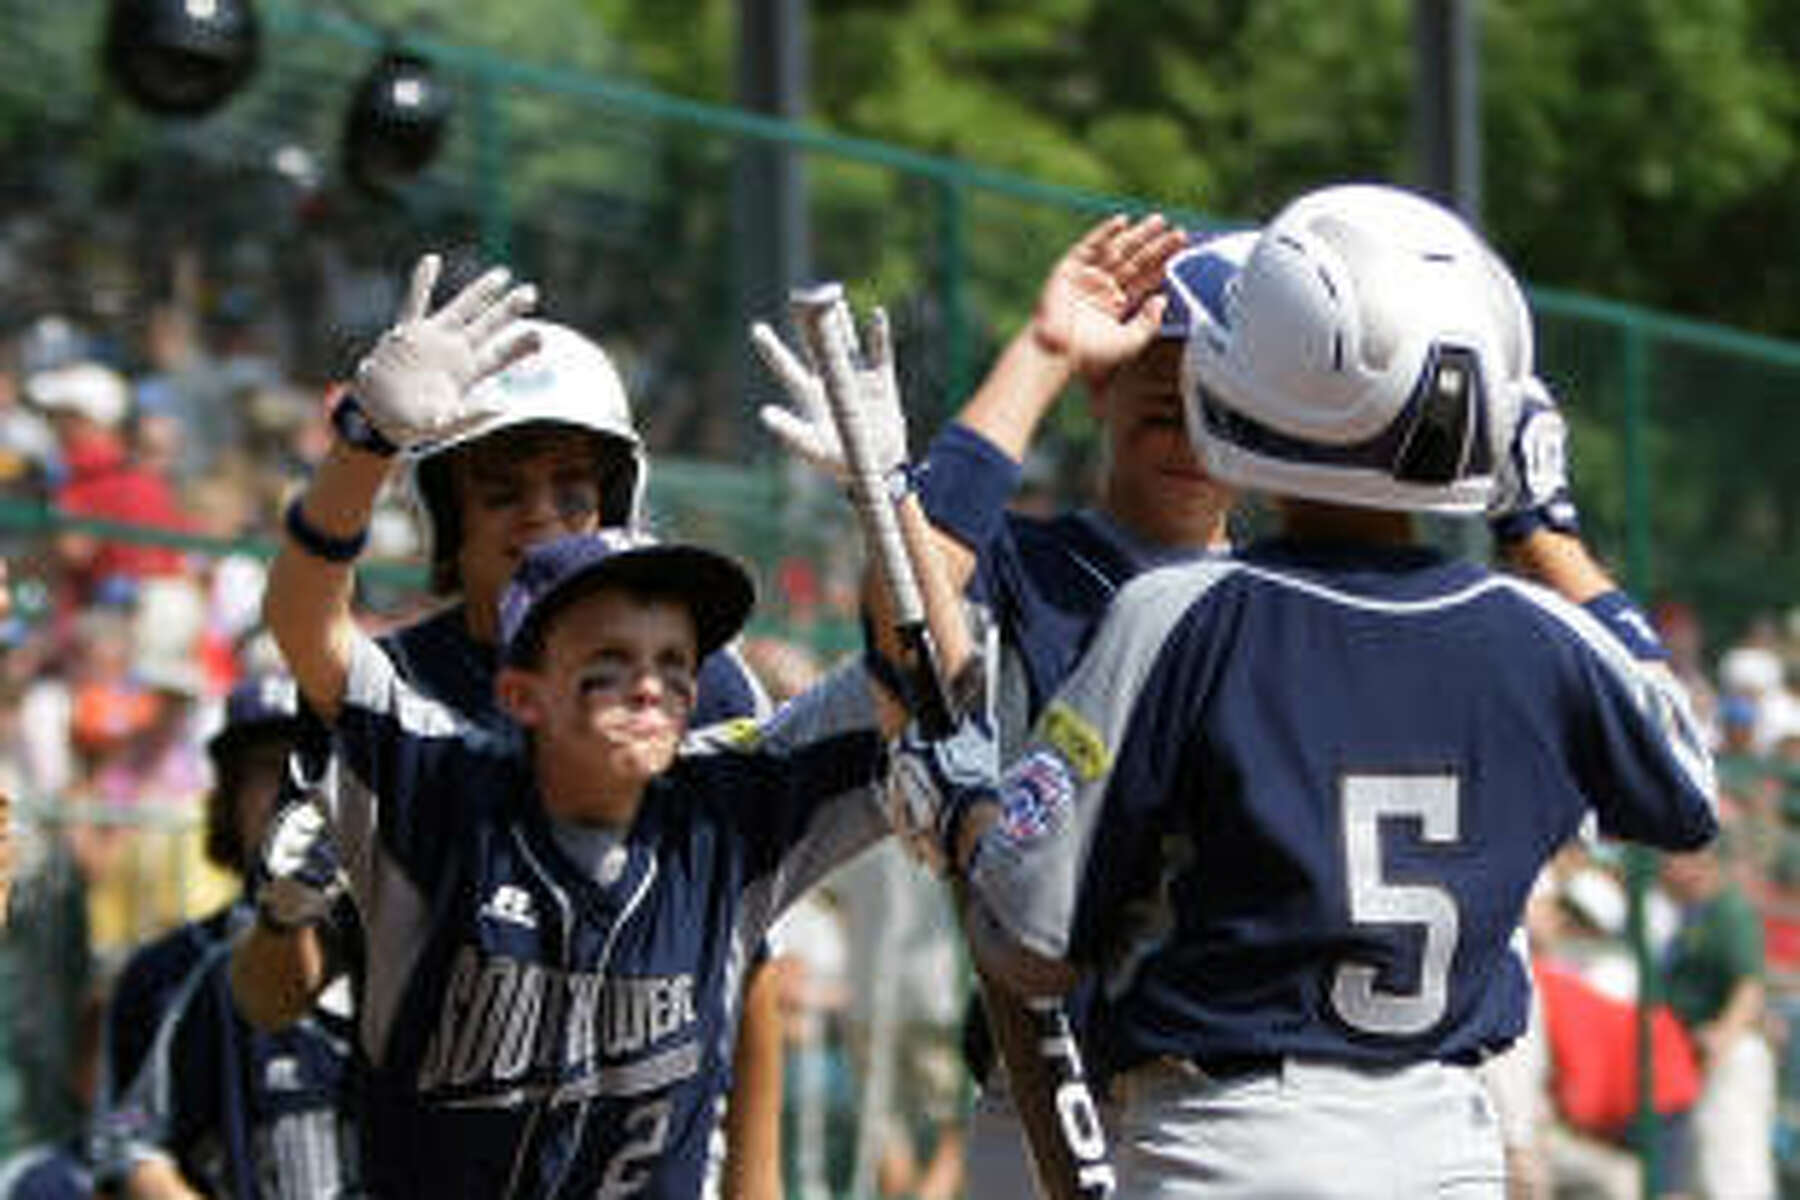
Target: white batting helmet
568, 380
1370, 350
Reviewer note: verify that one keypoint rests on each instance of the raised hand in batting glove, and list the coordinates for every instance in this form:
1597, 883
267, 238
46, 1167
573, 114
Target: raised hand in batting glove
413, 385
1102, 303
807, 429
1532, 486
299, 875
933, 783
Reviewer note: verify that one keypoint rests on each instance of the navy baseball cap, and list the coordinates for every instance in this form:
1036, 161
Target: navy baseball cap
257, 705
1197, 274
717, 591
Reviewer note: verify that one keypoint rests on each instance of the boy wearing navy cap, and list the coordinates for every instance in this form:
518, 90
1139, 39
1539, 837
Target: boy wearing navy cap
557, 931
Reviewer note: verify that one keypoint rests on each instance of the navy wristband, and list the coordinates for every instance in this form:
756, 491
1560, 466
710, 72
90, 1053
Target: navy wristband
1628, 623
317, 542
353, 425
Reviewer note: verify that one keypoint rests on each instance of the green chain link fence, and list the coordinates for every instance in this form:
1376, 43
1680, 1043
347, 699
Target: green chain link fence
622, 202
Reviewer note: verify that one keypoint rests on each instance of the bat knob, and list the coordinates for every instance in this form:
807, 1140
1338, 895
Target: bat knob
828, 291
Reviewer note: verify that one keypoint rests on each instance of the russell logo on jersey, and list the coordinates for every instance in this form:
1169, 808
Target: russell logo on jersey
511, 904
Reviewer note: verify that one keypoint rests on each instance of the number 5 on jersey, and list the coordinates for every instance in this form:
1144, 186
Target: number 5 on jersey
1367, 800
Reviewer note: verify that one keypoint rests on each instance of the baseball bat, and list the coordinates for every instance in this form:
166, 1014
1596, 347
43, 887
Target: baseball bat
823, 317
1063, 1134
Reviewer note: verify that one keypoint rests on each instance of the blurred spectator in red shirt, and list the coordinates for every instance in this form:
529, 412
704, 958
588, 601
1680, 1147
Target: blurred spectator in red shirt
88, 405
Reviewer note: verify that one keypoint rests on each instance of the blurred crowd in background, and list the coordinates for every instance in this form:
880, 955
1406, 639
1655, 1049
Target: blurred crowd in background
120, 650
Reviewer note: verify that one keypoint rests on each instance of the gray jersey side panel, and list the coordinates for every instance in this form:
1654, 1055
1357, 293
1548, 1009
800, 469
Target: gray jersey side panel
1029, 870
839, 826
395, 913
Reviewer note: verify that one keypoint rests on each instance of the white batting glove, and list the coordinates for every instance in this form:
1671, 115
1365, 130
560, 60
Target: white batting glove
807, 429
301, 879
1531, 488
414, 384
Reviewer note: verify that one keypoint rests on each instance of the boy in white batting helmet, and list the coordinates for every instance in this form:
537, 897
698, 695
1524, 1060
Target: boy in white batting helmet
1288, 807
548, 449
568, 384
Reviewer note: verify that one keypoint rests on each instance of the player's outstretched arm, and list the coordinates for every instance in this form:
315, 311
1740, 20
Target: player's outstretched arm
279, 965
410, 389
307, 601
1099, 307
1561, 562
158, 1179
1537, 532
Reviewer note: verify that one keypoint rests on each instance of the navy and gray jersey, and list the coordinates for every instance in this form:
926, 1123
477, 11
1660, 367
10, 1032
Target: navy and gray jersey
148, 984
1045, 582
1291, 802
439, 657
238, 1111
48, 1171
546, 1023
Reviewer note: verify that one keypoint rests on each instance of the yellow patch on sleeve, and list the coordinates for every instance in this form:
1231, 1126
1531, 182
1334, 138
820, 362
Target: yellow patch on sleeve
1076, 740
740, 733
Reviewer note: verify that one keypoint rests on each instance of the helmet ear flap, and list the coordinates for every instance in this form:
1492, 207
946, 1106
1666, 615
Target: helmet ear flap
1443, 442
622, 470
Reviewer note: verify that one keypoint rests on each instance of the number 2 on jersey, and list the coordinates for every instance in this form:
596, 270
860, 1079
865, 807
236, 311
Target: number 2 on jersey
649, 1126
1368, 800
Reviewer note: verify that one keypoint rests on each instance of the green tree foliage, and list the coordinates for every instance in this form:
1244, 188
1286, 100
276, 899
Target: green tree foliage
1639, 149
1645, 150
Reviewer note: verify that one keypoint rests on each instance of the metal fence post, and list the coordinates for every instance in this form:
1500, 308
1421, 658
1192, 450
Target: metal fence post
492, 194
1640, 862
953, 295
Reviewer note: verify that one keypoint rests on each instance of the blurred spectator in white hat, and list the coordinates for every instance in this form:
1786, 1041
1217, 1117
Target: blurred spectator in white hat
1755, 673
